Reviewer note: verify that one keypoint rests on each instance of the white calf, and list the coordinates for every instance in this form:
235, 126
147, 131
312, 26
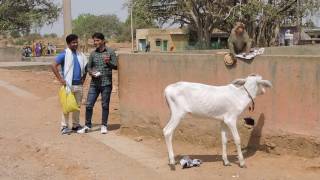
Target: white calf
223, 103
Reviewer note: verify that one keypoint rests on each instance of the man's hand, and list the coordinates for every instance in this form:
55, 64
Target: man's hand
63, 82
94, 74
55, 70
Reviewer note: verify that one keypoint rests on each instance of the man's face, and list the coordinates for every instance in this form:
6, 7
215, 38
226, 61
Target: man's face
240, 31
98, 42
73, 45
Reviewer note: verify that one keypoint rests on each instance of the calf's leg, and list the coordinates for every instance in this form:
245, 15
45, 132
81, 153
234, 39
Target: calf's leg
224, 140
168, 134
232, 124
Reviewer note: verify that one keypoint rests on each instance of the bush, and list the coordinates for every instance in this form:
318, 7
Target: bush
15, 34
20, 42
52, 35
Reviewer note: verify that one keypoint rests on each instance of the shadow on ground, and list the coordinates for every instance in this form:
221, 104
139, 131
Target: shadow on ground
111, 127
250, 150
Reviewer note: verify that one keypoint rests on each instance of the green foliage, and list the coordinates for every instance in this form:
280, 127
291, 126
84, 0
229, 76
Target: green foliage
33, 36
87, 24
15, 34
142, 18
21, 42
22, 15
201, 16
52, 35
262, 18
125, 33
310, 24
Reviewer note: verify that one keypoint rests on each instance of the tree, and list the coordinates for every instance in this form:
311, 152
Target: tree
142, 18
262, 17
125, 33
87, 24
201, 16
22, 15
15, 34
310, 24
51, 35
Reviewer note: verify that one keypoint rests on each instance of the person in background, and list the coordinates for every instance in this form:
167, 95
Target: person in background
288, 38
38, 50
54, 49
49, 49
147, 47
41, 48
171, 48
44, 50
26, 51
73, 64
101, 63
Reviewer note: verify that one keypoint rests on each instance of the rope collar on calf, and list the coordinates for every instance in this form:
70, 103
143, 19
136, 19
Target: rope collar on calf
251, 108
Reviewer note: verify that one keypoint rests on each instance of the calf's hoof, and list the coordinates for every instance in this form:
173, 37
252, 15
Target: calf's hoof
226, 163
243, 166
172, 167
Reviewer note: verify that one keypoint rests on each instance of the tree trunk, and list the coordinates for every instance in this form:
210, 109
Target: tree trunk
276, 34
204, 38
207, 39
201, 38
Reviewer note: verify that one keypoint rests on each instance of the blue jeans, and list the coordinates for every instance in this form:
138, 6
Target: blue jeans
93, 94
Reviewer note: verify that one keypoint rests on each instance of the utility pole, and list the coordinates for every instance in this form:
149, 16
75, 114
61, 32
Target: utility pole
67, 17
299, 20
131, 16
240, 10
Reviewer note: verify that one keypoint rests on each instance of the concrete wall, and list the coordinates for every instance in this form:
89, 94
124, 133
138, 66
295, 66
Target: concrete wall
294, 50
40, 59
291, 107
10, 54
283, 50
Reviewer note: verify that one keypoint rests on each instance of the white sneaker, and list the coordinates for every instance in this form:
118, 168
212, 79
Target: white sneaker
104, 129
83, 130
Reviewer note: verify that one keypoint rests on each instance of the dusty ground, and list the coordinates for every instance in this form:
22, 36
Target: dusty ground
31, 146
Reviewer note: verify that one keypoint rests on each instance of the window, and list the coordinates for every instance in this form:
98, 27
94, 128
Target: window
158, 42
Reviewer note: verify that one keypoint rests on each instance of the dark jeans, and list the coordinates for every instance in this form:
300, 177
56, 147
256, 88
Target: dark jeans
93, 94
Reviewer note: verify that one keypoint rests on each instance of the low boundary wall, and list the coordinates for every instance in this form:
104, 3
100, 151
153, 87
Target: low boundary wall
292, 106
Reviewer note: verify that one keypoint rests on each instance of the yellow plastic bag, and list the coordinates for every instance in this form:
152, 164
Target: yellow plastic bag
68, 101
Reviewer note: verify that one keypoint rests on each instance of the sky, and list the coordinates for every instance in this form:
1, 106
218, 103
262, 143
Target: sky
316, 19
96, 7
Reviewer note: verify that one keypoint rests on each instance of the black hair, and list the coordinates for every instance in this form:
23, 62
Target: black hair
98, 36
70, 38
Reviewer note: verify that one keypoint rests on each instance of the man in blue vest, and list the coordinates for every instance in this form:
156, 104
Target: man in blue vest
73, 66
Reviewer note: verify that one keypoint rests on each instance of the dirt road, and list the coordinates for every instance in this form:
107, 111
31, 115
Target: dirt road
31, 146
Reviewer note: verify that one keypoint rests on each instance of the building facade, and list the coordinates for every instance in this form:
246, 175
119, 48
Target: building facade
161, 40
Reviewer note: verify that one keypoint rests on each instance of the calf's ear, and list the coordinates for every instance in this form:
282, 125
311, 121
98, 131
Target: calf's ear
238, 82
265, 83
